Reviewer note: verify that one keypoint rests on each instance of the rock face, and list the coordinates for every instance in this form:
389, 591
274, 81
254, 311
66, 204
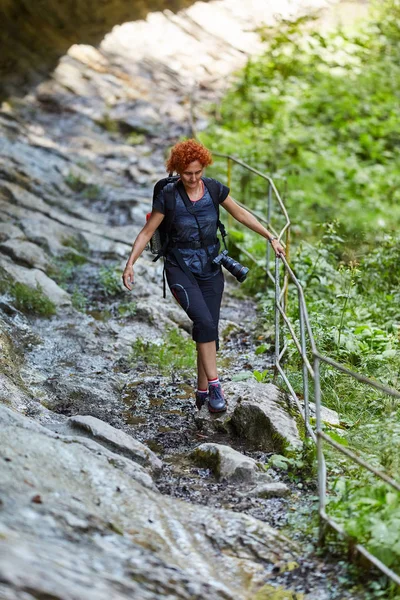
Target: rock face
260, 414
34, 35
67, 508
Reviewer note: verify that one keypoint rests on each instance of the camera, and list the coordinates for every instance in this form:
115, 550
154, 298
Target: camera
235, 268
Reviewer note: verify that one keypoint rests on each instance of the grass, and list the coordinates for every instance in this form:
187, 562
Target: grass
174, 355
32, 301
110, 280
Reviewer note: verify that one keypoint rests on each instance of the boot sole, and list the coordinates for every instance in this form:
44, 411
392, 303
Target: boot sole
220, 410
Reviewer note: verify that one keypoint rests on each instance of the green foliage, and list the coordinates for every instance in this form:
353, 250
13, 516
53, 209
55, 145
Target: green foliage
110, 280
262, 377
78, 299
109, 124
127, 310
174, 354
89, 191
64, 268
299, 464
77, 242
319, 113
32, 300
134, 138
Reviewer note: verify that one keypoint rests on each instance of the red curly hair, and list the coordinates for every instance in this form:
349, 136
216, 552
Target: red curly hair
183, 153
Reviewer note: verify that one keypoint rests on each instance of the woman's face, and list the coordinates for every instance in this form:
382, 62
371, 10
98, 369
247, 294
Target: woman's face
192, 174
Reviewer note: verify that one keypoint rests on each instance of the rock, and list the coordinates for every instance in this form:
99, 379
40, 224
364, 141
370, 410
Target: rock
118, 441
26, 252
138, 116
34, 278
9, 231
273, 489
259, 414
329, 416
28, 55
226, 463
99, 534
136, 175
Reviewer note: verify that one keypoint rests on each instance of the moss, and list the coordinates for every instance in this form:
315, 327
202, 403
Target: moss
254, 426
77, 242
288, 406
268, 592
10, 358
208, 459
108, 124
87, 190
135, 138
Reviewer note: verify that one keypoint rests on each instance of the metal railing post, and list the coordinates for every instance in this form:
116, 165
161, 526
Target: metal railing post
286, 282
229, 182
320, 453
305, 370
277, 316
269, 209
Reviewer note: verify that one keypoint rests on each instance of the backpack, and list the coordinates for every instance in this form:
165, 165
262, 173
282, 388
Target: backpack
161, 237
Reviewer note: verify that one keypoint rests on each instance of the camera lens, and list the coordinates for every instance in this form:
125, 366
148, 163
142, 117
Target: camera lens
242, 274
231, 265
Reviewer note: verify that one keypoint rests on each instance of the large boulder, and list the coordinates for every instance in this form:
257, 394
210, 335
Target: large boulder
77, 525
258, 413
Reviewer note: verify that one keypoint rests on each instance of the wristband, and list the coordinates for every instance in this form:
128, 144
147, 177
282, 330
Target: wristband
273, 238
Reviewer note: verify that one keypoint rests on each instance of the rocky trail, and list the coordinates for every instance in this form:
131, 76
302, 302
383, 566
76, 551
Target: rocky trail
112, 484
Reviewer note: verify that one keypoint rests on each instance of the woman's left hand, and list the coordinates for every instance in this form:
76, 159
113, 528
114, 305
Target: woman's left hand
278, 248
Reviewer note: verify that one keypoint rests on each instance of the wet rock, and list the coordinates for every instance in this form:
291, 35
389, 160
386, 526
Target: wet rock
27, 253
259, 414
226, 463
34, 278
118, 441
116, 538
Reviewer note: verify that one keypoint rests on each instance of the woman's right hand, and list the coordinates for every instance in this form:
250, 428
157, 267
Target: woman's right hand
127, 277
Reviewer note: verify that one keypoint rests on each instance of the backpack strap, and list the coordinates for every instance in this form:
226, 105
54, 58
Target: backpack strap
213, 187
170, 208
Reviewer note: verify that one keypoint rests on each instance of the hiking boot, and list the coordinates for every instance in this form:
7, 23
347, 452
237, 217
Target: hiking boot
216, 399
201, 399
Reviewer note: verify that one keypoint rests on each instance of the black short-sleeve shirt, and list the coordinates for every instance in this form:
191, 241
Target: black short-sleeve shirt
185, 229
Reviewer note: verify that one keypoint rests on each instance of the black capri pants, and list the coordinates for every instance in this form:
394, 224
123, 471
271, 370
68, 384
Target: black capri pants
200, 299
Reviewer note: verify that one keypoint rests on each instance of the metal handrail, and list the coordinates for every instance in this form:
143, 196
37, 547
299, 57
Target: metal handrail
280, 306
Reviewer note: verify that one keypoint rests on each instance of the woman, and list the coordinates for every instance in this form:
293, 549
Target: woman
197, 283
